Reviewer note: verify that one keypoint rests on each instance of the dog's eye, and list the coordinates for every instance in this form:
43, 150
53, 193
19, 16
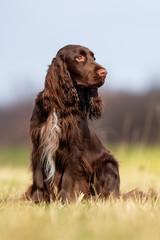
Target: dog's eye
80, 58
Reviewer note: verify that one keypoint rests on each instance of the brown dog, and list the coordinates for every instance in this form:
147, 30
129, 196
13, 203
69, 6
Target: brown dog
67, 157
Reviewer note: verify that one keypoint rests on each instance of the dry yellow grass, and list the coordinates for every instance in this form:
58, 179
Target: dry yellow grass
85, 220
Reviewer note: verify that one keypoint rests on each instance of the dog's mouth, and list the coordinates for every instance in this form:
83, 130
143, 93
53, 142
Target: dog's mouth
98, 85
98, 81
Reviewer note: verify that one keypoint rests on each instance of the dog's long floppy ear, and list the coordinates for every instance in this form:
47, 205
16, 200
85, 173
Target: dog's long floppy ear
95, 104
58, 81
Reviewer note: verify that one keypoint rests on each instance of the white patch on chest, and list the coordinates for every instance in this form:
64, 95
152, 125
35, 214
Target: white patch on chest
50, 134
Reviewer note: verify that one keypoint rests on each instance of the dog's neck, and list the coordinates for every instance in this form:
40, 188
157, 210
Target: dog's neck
85, 94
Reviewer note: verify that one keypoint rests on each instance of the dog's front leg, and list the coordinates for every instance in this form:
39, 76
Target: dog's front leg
38, 191
106, 178
72, 185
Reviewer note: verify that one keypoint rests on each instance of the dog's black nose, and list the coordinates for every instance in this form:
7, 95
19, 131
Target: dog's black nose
102, 72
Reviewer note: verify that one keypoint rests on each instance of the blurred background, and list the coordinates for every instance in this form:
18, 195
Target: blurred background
125, 37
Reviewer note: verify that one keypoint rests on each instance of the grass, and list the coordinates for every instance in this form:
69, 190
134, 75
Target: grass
82, 220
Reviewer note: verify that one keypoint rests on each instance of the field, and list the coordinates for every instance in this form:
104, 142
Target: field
82, 220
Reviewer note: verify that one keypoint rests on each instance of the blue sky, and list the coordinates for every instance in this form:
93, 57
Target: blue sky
125, 36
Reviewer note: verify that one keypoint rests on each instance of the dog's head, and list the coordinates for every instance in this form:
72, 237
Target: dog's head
82, 67
73, 79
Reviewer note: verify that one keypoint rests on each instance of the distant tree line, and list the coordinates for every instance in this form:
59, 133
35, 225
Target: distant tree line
128, 117
131, 117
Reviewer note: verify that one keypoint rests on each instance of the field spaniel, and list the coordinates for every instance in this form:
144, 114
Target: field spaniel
67, 157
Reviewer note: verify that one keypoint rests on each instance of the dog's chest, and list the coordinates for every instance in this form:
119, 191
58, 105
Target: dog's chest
85, 130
